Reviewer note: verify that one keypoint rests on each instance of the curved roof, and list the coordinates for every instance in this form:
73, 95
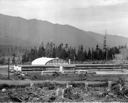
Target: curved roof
42, 61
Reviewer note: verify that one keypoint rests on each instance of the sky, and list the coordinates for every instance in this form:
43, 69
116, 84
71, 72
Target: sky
90, 15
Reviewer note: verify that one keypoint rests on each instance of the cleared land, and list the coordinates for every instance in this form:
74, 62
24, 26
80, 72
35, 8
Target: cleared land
34, 87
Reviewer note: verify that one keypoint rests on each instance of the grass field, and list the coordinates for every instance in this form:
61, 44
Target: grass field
4, 69
69, 77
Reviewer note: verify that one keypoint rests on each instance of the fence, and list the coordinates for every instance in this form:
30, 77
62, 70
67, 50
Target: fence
75, 67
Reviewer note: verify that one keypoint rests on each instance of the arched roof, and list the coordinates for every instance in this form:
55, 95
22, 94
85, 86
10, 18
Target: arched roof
42, 61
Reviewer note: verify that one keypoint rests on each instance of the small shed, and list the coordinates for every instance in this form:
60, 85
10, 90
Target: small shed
48, 61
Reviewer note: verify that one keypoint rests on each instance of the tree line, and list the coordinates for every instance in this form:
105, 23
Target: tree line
64, 51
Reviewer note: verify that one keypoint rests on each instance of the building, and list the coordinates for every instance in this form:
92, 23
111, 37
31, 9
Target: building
48, 61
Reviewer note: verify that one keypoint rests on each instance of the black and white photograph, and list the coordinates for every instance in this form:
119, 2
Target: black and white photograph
63, 51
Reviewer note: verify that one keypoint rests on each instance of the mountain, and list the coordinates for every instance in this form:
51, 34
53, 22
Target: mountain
22, 32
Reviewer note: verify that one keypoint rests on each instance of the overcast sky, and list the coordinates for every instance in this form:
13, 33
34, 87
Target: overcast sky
89, 15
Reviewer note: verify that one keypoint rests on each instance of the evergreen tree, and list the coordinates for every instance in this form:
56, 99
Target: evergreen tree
49, 49
72, 54
97, 52
100, 54
33, 54
41, 50
89, 54
92, 54
54, 52
14, 58
85, 55
67, 52
80, 53
25, 57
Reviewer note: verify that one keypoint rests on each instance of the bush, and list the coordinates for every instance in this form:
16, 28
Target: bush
56, 74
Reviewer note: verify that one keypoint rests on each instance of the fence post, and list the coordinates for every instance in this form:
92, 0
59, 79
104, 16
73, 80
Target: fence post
109, 85
69, 61
60, 92
31, 84
86, 85
67, 85
62, 96
61, 69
